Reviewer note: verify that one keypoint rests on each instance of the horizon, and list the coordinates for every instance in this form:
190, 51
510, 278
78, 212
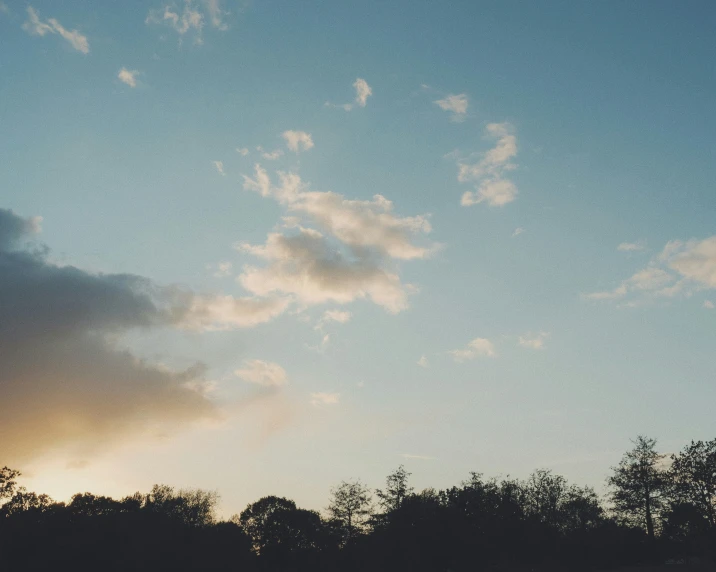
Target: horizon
263, 248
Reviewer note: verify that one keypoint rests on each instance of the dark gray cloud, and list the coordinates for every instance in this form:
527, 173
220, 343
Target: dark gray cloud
64, 381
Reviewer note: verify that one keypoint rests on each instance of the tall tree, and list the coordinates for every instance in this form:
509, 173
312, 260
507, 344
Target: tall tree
638, 485
693, 477
395, 491
350, 508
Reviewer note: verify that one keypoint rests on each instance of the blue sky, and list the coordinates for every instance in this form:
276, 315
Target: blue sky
548, 254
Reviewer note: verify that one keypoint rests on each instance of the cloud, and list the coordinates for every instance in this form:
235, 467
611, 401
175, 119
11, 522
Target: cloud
417, 457
535, 342
189, 19
298, 141
339, 316
682, 268
305, 265
456, 104
261, 372
321, 398
348, 259
243, 151
223, 269
709, 305
475, 348
631, 246
216, 14
128, 76
66, 381
518, 231
36, 27
423, 362
273, 155
215, 312
363, 91
219, 166
488, 173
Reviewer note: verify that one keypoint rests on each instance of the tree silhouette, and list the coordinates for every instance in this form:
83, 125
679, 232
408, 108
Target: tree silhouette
638, 485
693, 478
349, 509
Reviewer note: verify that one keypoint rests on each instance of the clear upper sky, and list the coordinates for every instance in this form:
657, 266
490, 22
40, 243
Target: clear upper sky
460, 236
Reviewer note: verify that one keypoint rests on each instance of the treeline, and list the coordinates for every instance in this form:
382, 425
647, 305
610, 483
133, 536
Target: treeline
659, 509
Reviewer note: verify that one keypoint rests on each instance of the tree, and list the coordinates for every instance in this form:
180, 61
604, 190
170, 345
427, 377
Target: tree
194, 507
396, 490
693, 478
278, 528
638, 485
350, 508
8, 483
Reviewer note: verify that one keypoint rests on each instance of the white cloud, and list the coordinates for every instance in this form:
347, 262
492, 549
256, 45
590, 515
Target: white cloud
261, 372
37, 27
128, 76
273, 155
308, 267
518, 231
189, 19
321, 398
423, 362
350, 260
363, 91
243, 151
534, 341
631, 246
219, 165
475, 348
709, 305
339, 316
489, 172
297, 141
217, 312
456, 104
682, 267
497, 193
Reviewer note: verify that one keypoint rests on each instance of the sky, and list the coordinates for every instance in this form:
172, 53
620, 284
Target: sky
261, 247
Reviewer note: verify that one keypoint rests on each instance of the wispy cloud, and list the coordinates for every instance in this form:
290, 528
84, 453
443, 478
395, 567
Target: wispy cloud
243, 151
321, 398
682, 268
338, 316
219, 166
476, 348
261, 372
128, 76
709, 305
298, 141
37, 27
223, 269
423, 362
632, 246
489, 172
518, 231
534, 341
363, 92
455, 104
190, 18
